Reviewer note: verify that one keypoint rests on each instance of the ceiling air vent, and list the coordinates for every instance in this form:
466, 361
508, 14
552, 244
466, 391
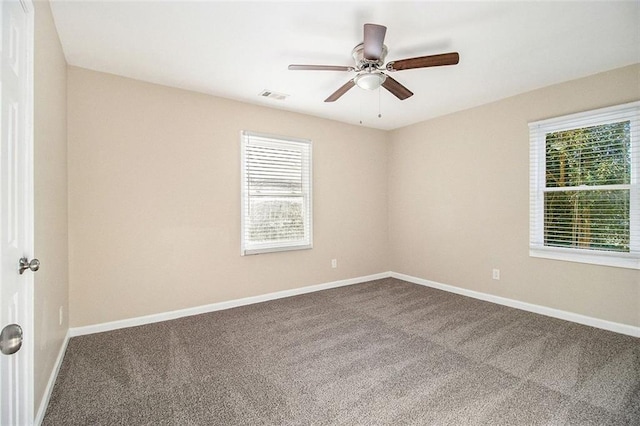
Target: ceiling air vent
273, 95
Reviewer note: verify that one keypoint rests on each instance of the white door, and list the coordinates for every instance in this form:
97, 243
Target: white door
16, 212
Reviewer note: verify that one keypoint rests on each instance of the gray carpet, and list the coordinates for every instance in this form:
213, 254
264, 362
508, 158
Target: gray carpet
384, 352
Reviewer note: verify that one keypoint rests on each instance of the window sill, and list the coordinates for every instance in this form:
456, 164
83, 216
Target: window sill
617, 260
272, 249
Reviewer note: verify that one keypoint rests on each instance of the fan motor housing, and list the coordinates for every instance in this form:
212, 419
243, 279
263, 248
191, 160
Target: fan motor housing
362, 63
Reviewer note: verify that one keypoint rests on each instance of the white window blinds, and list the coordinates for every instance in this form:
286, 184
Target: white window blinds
584, 187
276, 194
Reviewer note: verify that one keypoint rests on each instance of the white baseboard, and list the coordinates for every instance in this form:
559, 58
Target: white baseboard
148, 319
538, 309
44, 403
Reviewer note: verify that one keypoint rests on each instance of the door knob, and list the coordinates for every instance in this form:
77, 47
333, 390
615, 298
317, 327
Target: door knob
34, 265
11, 339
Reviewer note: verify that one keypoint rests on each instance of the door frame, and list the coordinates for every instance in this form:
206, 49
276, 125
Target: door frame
28, 398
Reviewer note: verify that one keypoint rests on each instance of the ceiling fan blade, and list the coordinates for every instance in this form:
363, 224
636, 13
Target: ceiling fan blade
373, 40
296, 67
341, 91
424, 62
397, 89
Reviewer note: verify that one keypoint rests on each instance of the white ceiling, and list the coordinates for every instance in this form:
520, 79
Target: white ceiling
237, 49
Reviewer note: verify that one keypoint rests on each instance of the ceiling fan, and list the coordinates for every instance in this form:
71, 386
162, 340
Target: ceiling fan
369, 56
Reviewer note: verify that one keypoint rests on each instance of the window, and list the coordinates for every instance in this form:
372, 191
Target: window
276, 194
584, 180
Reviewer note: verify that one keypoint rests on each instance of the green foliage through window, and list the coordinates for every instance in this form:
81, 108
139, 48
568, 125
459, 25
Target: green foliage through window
580, 211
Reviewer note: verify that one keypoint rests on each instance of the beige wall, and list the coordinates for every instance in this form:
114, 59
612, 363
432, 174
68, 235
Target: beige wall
459, 200
154, 201
154, 193
50, 184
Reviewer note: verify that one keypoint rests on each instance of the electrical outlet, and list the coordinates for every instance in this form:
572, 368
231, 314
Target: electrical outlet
496, 274
334, 263
60, 315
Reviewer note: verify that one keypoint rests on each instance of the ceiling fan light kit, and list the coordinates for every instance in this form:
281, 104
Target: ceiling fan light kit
369, 57
369, 80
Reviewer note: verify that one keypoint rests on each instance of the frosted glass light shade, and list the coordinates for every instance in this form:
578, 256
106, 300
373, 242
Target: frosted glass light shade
370, 80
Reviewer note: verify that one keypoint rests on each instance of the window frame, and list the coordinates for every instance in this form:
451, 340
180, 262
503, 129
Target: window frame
537, 157
306, 147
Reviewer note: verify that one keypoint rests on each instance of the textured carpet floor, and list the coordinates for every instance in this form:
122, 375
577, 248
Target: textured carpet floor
382, 352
